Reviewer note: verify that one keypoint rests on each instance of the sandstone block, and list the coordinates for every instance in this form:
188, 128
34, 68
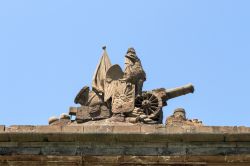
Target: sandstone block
243, 129
2, 128
212, 151
26, 137
98, 128
224, 129
59, 150
20, 128
204, 129
146, 129
127, 129
48, 129
203, 137
237, 137
172, 129
73, 129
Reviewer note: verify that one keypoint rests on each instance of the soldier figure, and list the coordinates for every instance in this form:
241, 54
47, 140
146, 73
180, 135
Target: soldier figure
134, 72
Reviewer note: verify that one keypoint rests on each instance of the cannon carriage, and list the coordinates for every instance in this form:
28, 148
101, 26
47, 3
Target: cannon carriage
152, 102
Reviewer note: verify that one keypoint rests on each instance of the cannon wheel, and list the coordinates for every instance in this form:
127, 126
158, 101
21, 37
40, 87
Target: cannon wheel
150, 103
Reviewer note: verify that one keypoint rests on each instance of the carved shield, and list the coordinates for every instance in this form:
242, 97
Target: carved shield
113, 75
123, 99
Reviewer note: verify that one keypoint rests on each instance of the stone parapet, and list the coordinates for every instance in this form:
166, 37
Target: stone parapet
124, 144
126, 128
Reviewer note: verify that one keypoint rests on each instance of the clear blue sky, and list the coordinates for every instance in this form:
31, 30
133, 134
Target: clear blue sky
49, 51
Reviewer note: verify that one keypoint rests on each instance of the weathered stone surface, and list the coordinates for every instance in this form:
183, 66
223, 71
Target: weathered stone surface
244, 137
242, 160
200, 137
2, 128
224, 129
48, 129
118, 127
4, 137
31, 160
73, 129
243, 129
127, 129
58, 150
19, 151
147, 129
204, 129
127, 145
98, 128
26, 137
20, 128
179, 119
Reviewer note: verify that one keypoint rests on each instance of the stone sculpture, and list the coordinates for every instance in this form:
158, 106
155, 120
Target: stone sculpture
179, 119
134, 72
118, 95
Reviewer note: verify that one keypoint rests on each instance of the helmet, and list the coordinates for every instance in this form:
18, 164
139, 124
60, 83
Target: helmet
131, 54
132, 50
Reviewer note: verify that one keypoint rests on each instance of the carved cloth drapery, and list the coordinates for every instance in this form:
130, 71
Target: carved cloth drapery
100, 73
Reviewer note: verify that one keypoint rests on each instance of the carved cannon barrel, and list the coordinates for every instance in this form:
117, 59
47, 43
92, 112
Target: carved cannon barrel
179, 91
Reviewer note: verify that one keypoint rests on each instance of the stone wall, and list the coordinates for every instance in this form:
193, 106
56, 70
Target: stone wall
124, 145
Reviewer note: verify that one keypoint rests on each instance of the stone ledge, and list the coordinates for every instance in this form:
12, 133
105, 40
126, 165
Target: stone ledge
125, 160
136, 128
121, 144
121, 137
123, 148
124, 133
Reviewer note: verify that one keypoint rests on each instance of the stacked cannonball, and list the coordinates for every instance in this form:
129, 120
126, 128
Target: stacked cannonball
62, 120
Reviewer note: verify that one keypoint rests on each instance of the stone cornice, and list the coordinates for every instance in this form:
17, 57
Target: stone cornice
127, 132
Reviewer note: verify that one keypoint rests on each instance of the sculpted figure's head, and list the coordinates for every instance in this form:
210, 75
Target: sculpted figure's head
131, 54
180, 113
131, 50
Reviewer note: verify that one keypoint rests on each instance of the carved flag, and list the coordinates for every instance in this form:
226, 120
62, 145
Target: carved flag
100, 73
